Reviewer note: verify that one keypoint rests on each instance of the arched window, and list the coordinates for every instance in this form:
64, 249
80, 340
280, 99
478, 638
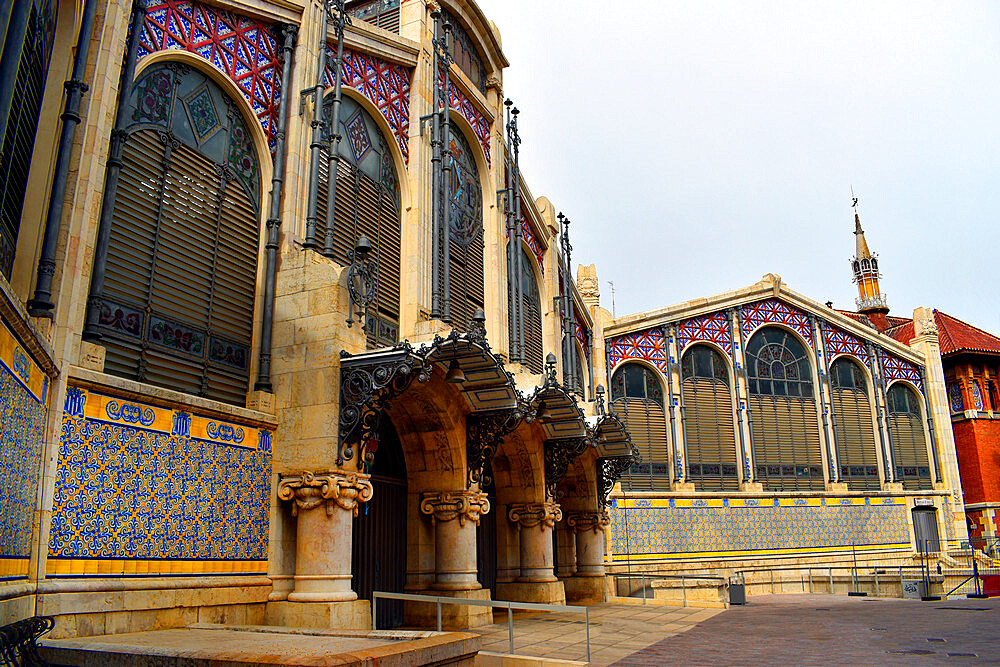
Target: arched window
367, 204
783, 419
182, 259
531, 308
466, 238
709, 433
637, 397
853, 430
26, 50
906, 431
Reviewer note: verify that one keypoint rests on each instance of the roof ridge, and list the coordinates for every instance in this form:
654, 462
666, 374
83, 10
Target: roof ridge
964, 323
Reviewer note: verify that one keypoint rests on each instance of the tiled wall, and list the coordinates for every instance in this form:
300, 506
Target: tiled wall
661, 528
23, 395
143, 490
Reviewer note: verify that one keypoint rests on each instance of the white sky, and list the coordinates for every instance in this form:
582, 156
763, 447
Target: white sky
698, 145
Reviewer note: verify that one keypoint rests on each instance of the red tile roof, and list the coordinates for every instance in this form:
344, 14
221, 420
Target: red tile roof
958, 336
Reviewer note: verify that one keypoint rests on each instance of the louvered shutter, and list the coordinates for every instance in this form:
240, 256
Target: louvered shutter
709, 435
646, 424
786, 443
910, 448
855, 438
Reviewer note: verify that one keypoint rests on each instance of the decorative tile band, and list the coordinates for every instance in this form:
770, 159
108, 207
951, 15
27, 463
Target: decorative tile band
713, 327
648, 345
722, 527
461, 103
841, 342
772, 311
895, 368
23, 414
146, 490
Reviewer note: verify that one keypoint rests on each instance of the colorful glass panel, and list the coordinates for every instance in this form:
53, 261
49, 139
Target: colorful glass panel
778, 365
977, 395
636, 381
713, 327
955, 397
648, 345
466, 193
772, 311
461, 103
895, 368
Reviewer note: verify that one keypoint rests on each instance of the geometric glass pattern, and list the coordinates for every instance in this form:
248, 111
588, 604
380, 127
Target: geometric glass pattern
955, 397
385, 84
648, 345
144, 490
772, 311
528, 234
357, 136
580, 329
464, 106
245, 49
977, 396
202, 114
712, 327
23, 395
841, 342
895, 368
728, 527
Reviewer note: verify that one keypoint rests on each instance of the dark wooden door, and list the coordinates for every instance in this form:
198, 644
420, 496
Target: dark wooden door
486, 545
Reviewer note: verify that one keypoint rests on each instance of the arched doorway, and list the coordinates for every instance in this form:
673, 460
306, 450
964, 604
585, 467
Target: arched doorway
378, 553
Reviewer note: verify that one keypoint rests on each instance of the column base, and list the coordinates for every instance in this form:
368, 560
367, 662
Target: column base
349, 615
686, 487
453, 616
837, 487
544, 592
585, 590
754, 487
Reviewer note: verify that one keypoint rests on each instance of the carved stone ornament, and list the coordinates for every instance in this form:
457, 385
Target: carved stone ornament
581, 522
926, 327
451, 505
338, 488
529, 515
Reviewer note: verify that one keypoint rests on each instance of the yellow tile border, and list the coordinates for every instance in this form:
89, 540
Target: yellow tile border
80, 567
36, 381
688, 503
761, 552
11, 567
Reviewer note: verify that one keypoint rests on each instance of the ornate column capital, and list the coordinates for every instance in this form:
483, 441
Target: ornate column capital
335, 487
581, 522
451, 505
528, 515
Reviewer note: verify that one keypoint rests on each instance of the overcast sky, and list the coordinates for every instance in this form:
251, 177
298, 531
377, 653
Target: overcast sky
698, 145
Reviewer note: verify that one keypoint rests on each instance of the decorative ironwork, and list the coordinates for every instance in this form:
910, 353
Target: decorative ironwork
366, 390
17, 641
599, 407
609, 471
484, 434
361, 281
559, 454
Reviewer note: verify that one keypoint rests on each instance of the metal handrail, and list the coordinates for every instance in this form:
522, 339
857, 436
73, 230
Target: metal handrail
439, 600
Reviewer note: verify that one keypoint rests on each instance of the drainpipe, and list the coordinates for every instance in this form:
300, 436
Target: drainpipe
752, 463
41, 305
119, 136
274, 220
680, 468
832, 446
435, 175
736, 395
316, 145
930, 426
445, 230
874, 362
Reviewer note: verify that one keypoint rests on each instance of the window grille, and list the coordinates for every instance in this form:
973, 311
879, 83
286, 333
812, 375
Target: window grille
853, 429
531, 307
783, 419
637, 398
709, 432
381, 13
906, 430
464, 51
30, 64
367, 203
182, 257
466, 247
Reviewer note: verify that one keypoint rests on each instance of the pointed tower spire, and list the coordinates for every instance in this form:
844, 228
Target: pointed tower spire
870, 301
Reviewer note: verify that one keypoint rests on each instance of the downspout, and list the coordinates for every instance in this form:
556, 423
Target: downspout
333, 157
874, 361
435, 174
590, 363
751, 461
832, 446
930, 426
736, 395
119, 136
511, 253
678, 463
445, 230
274, 220
316, 145
41, 305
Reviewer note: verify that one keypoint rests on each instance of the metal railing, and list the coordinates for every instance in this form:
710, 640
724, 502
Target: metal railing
439, 600
643, 577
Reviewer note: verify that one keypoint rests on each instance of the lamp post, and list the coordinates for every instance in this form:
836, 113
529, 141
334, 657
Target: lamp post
361, 281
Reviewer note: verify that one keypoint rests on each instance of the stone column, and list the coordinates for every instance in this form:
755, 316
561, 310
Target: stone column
565, 551
536, 522
589, 528
324, 504
455, 515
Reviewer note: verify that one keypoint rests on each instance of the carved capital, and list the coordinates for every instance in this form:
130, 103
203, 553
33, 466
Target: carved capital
581, 522
335, 488
529, 515
451, 505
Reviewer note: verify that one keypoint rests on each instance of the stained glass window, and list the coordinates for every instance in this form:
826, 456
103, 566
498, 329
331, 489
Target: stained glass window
182, 258
846, 374
27, 48
777, 364
703, 362
636, 381
466, 232
464, 51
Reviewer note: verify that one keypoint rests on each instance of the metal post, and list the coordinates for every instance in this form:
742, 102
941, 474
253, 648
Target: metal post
643, 587
744, 475
876, 582
333, 157
810, 580
436, 175
510, 628
438, 603
930, 427
374, 622
41, 305
516, 235
445, 230
771, 574
829, 572
684, 592
119, 136
832, 446
263, 382
316, 147
679, 462
586, 621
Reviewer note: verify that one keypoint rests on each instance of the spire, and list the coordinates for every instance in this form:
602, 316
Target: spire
870, 299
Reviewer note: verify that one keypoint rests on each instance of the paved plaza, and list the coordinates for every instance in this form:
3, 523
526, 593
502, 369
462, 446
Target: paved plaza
829, 630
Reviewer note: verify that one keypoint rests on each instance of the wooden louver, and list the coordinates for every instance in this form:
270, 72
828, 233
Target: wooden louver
531, 310
786, 443
906, 433
709, 434
855, 437
645, 421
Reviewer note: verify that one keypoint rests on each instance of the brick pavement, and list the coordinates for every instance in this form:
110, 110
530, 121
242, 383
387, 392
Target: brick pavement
836, 630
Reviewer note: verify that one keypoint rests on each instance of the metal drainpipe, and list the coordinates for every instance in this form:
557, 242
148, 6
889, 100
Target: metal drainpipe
517, 233
590, 363
445, 230
678, 465
274, 221
885, 402
511, 252
41, 305
316, 145
435, 174
752, 457
333, 161
736, 395
873, 363
832, 446
675, 362
930, 426
119, 136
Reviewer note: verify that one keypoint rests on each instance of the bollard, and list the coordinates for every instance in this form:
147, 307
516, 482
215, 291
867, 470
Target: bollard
644, 588
510, 628
586, 622
771, 574
374, 622
684, 592
439, 615
876, 583
829, 572
810, 580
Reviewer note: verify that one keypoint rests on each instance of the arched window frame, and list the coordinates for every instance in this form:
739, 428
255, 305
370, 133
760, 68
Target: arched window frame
529, 261
651, 375
921, 415
869, 392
